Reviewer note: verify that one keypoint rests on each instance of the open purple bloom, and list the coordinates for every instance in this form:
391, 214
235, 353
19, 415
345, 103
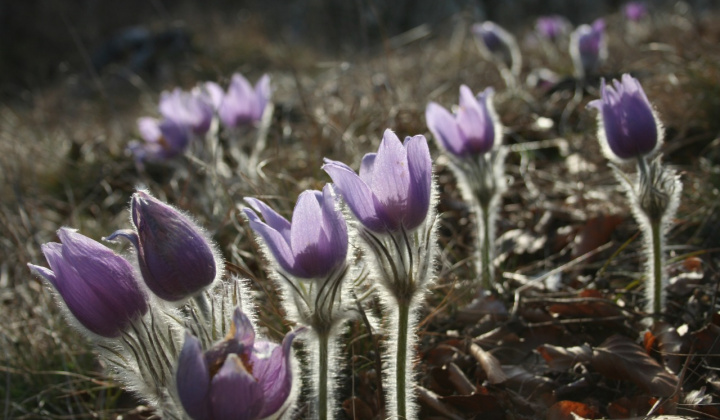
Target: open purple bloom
175, 258
552, 27
635, 10
163, 140
472, 130
393, 188
314, 244
97, 285
587, 47
243, 104
191, 109
238, 378
628, 124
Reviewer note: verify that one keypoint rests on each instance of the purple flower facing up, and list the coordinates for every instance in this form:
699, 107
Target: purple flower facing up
472, 130
635, 11
628, 127
588, 47
191, 109
243, 104
393, 188
175, 258
238, 378
97, 285
552, 27
163, 140
314, 244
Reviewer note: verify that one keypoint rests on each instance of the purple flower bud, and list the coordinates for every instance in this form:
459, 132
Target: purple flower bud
191, 109
496, 40
552, 27
314, 244
394, 186
163, 140
473, 129
635, 10
243, 104
97, 285
588, 47
175, 257
238, 378
628, 126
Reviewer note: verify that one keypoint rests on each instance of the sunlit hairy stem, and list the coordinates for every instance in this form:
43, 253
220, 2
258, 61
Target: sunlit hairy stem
401, 359
323, 344
486, 269
657, 265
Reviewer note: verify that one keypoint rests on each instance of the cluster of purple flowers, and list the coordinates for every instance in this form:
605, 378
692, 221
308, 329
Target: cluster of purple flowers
187, 115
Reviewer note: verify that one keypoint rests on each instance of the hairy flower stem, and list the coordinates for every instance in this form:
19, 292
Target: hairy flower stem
656, 266
401, 359
486, 269
323, 348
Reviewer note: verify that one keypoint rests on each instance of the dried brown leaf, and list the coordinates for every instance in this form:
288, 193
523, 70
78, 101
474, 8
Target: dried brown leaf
670, 344
596, 231
620, 358
564, 358
564, 410
489, 363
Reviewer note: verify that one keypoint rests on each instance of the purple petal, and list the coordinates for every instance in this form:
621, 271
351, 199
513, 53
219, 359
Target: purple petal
475, 123
307, 236
214, 92
275, 241
238, 106
149, 129
234, 392
193, 379
444, 128
420, 166
262, 95
272, 218
366, 167
275, 374
334, 226
391, 180
356, 194
243, 329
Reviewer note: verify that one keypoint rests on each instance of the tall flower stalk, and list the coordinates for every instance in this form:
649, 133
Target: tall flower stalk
629, 130
392, 200
310, 255
471, 138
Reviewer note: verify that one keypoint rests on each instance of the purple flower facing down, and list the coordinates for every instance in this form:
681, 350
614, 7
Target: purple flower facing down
552, 27
491, 35
587, 46
175, 258
243, 104
314, 244
97, 285
163, 140
393, 188
635, 11
238, 378
191, 109
629, 127
472, 130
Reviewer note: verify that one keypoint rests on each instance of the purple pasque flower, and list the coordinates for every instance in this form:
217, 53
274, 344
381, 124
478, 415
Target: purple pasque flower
314, 244
192, 109
472, 130
163, 140
97, 285
393, 188
627, 122
552, 26
635, 10
493, 36
238, 378
588, 47
243, 104
175, 257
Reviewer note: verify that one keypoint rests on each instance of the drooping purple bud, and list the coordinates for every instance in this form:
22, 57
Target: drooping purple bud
635, 10
393, 188
474, 128
175, 257
243, 104
627, 125
238, 378
163, 140
191, 109
97, 285
498, 43
552, 26
314, 244
588, 48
